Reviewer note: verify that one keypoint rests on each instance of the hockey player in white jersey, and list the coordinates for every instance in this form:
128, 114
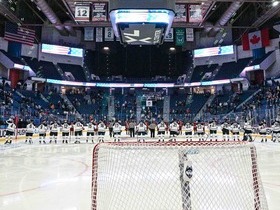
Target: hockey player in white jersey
141, 130
275, 131
235, 129
263, 131
90, 131
78, 128
10, 131
200, 130
30, 129
161, 128
174, 130
117, 129
188, 131
248, 130
101, 130
42, 129
54, 131
65, 128
213, 130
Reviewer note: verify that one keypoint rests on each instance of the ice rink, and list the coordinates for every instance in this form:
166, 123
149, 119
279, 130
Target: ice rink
58, 177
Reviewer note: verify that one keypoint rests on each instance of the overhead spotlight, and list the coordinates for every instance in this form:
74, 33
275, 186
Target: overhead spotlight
172, 49
275, 3
106, 48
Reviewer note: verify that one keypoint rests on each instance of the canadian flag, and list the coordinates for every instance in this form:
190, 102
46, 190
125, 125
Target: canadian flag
256, 39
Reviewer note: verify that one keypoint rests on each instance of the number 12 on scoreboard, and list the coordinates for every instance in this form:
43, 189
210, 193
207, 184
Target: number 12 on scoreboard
82, 13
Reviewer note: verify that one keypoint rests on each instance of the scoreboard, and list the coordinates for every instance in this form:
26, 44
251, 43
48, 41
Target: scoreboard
141, 22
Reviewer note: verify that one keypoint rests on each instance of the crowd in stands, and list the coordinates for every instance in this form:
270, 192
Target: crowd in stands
268, 96
94, 102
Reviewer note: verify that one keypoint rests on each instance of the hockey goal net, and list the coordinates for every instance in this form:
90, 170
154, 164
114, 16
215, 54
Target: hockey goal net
175, 176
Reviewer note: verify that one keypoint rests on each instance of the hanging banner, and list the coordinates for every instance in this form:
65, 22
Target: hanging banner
82, 12
170, 36
109, 34
89, 34
99, 11
180, 36
99, 35
189, 35
195, 13
180, 13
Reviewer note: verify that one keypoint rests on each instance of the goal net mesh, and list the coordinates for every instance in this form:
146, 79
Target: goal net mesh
174, 176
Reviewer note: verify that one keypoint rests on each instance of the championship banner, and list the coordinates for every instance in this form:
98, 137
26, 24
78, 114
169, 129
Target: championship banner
195, 13
109, 34
170, 36
189, 35
99, 35
180, 13
180, 36
99, 11
82, 12
89, 34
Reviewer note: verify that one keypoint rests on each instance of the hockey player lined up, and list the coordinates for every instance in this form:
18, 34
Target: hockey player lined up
90, 131
248, 130
65, 128
213, 130
188, 131
78, 128
225, 130
141, 130
30, 129
263, 131
10, 131
42, 129
161, 127
200, 131
235, 129
275, 131
117, 129
101, 129
174, 130
54, 132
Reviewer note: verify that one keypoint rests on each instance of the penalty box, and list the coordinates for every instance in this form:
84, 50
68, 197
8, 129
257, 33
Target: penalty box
141, 22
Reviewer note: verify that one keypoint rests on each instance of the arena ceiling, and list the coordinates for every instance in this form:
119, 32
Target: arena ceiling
241, 15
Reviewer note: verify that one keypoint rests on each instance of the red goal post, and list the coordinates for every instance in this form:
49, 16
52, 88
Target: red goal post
176, 175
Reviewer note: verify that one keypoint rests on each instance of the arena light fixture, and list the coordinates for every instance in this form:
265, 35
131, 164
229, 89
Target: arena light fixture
275, 3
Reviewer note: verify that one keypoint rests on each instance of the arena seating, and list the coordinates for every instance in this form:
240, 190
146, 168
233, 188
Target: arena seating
260, 60
182, 107
200, 71
76, 70
232, 70
43, 69
12, 58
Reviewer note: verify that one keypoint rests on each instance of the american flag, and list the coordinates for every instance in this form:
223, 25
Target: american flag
19, 34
